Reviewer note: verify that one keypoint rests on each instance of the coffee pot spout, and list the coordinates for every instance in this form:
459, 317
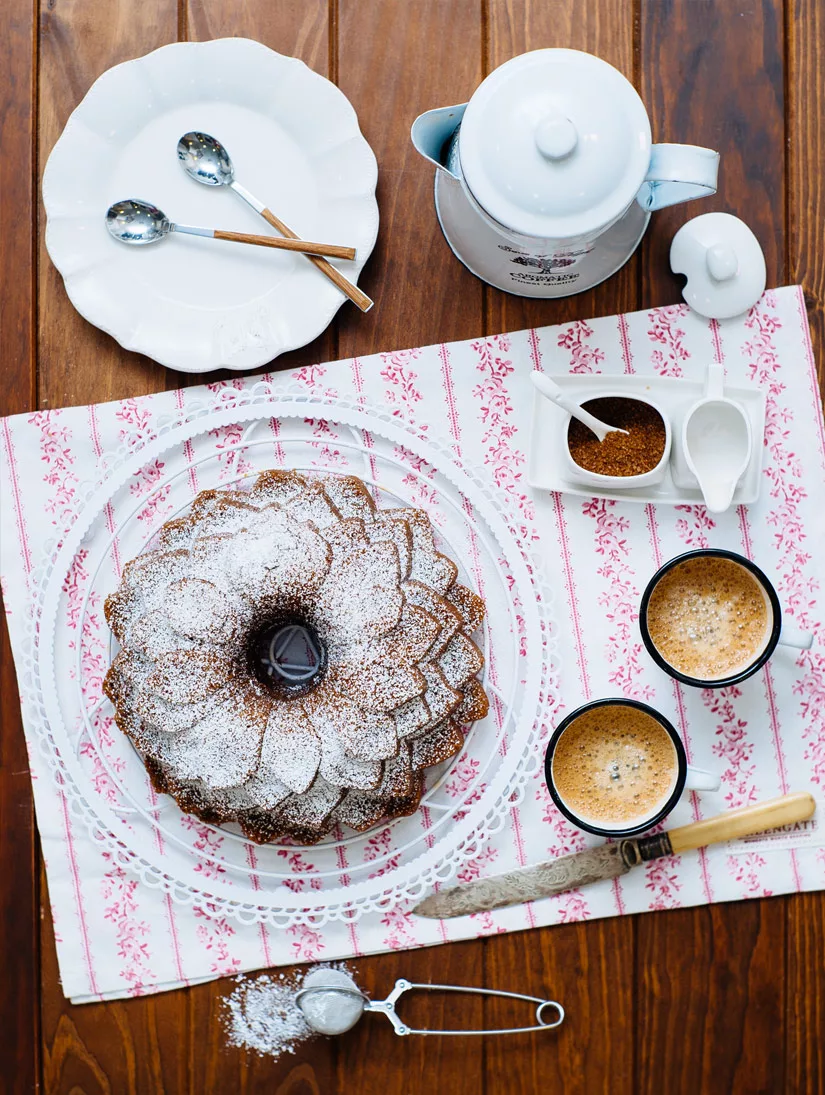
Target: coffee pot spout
432, 135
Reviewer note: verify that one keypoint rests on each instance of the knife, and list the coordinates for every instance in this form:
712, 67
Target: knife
569, 872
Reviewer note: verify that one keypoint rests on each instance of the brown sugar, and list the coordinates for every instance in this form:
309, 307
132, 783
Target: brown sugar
634, 453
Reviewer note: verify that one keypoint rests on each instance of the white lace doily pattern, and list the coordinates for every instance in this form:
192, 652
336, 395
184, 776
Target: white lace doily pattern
104, 780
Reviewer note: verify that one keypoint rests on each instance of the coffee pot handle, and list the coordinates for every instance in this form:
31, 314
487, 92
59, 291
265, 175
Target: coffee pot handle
678, 173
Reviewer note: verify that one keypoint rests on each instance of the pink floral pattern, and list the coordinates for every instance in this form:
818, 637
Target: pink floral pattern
478, 865
421, 492
56, 453
575, 337
138, 428
312, 377
566, 837
746, 870
302, 870
378, 847
799, 583
462, 775
662, 882
665, 331
694, 527
400, 932
326, 444
495, 411
119, 892
403, 393
733, 745
307, 944
571, 907
232, 461
115, 936
619, 598
215, 935
208, 841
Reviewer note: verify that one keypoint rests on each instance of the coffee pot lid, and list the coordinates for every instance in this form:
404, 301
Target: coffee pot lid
723, 263
555, 144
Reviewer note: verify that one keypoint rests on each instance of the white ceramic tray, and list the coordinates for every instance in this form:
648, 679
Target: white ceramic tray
547, 469
197, 304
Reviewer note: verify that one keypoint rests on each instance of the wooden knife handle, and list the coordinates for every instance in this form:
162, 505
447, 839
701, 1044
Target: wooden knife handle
335, 276
335, 250
743, 822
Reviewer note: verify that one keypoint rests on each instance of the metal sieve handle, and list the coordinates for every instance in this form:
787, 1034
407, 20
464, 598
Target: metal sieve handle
387, 1007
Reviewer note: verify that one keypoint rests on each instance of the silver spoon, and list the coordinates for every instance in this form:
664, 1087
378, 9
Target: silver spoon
553, 392
139, 223
206, 161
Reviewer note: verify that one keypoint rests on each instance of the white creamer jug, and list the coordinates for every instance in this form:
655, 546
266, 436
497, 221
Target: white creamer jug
547, 178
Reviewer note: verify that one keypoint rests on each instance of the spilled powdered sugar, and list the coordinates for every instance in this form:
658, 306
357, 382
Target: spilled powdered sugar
261, 1014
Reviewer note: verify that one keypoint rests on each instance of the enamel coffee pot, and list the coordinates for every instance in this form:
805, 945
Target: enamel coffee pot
546, 179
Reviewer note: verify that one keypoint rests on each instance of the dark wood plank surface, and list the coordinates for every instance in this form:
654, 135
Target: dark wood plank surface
729, 998
714, 1020
19, 897
805, 264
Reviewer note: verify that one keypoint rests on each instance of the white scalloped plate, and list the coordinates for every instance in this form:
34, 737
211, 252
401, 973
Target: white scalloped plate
196, 304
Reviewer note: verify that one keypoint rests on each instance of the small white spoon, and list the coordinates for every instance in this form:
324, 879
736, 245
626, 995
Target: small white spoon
550, 390
717, 442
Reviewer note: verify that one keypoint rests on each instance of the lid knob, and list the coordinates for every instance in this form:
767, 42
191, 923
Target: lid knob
556, 137
722, 262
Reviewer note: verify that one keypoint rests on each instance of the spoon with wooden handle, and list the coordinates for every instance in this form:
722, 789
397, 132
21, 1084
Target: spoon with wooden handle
138, 223
569, 872
205, 160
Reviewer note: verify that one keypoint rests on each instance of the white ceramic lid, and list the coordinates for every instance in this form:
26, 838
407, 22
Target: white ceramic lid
723, 263
555, 144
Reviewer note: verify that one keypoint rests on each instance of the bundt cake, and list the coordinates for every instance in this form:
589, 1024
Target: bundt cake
293, 657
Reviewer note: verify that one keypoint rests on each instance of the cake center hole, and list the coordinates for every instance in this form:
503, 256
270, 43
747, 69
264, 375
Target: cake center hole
289, 657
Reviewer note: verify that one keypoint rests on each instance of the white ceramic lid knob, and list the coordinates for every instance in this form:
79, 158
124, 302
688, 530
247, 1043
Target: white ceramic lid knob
722, 262
556, 137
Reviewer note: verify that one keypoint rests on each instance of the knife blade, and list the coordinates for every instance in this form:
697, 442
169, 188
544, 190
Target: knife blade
569, 872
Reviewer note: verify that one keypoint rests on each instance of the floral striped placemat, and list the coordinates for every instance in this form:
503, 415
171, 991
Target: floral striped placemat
116, 937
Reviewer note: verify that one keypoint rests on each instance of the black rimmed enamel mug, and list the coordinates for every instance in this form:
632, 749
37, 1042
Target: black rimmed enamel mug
685, 776
774, 632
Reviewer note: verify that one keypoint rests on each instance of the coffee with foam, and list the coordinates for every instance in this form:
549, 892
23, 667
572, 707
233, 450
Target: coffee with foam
615, 766
709, 618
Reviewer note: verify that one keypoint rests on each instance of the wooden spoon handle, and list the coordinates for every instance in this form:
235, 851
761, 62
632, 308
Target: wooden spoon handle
334, 250
335, 276
743, 822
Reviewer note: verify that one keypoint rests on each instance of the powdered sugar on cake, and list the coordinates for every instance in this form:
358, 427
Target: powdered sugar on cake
310, 555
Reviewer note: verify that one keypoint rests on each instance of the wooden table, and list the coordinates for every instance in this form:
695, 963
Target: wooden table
729, 998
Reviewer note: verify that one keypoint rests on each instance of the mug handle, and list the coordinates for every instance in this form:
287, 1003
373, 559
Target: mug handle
795, 636
697, 779
678, 173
